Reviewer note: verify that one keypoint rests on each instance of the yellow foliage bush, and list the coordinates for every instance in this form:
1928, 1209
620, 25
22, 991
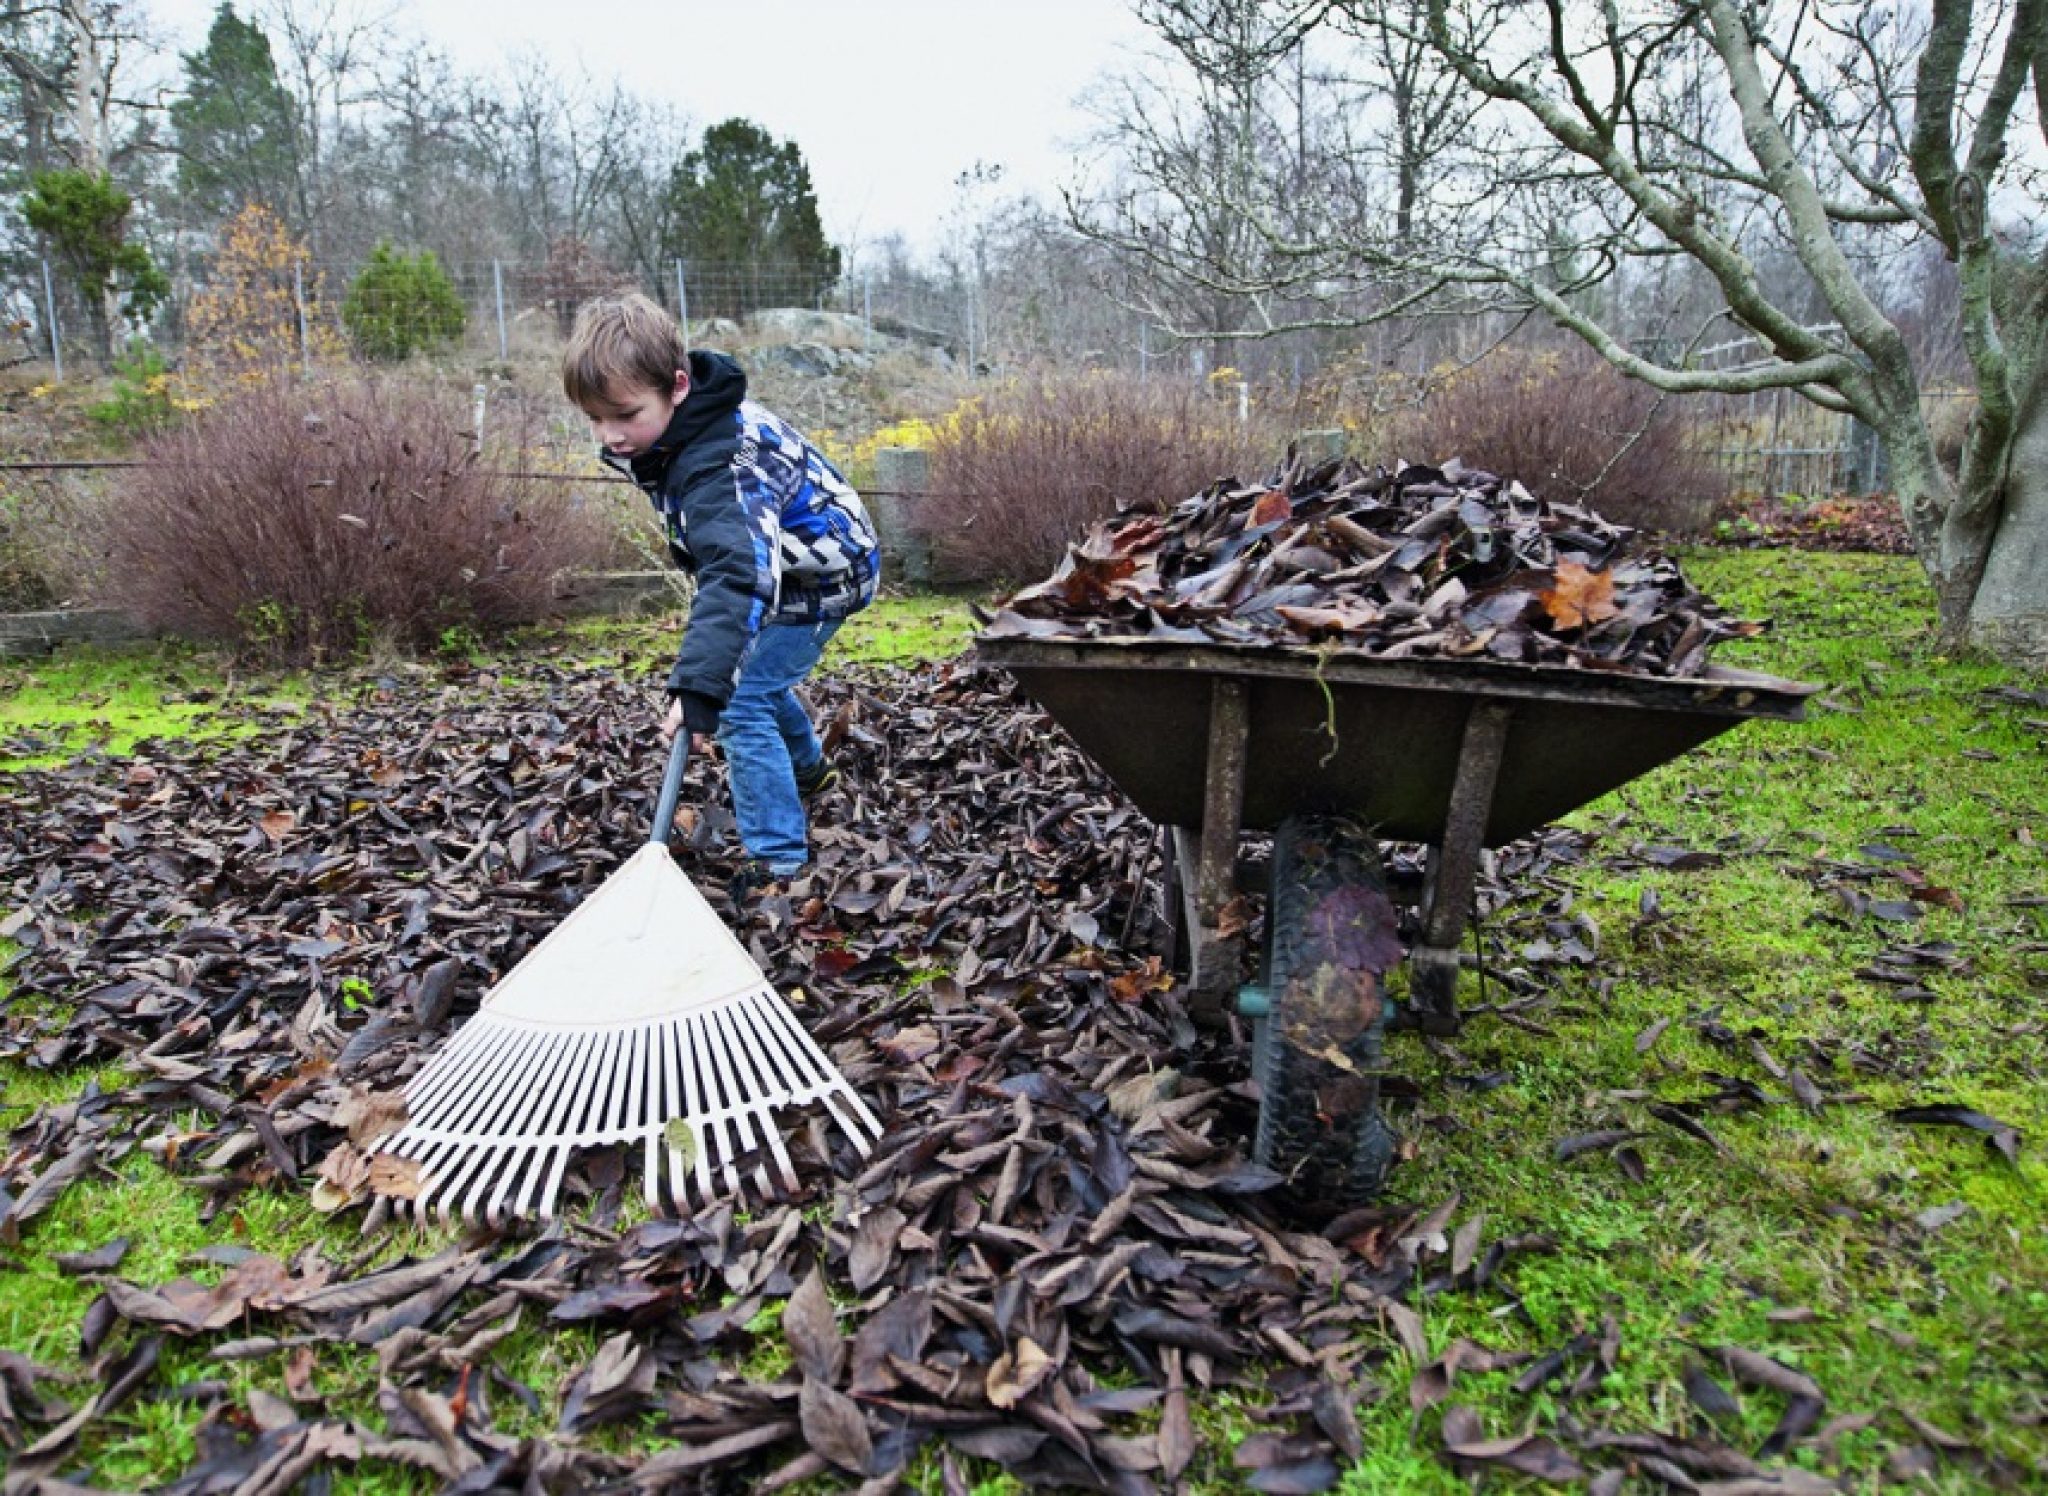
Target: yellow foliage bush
245, 323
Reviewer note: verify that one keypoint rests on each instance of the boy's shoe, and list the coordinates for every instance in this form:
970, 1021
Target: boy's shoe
817, 779
752, 878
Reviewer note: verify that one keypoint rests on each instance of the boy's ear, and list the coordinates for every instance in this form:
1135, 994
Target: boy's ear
682, 390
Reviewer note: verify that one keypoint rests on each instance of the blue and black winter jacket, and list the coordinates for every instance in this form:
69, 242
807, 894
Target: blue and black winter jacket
770, 530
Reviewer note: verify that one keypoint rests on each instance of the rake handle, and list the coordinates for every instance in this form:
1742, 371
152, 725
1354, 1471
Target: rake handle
671, 788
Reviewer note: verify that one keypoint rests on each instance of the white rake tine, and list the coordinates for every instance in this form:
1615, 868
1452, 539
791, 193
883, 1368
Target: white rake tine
799, 1039
826, 1086
741, 1080
770, 1052
559, 1133
629, 1113
675, 1069
470, 1050
451, 1116
470, 1082
718, 1097
514, 1117
556, 1132
742, 1040
590, 1095
703, 1094
846, 1125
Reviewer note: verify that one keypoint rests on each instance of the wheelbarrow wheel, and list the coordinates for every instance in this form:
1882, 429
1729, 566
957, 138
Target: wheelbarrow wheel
1331, 938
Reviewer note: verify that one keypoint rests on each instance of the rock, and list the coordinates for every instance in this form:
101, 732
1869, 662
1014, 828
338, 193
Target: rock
714, 332
801, 325
813, 359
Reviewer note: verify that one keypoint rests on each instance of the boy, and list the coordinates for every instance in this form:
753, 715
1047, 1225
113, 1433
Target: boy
780, 546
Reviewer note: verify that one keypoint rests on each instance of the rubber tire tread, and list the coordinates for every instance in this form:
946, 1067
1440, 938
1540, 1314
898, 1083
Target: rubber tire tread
1313, 856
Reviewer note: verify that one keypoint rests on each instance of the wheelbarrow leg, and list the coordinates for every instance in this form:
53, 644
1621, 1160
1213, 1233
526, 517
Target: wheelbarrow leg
1454, 870
1214, 932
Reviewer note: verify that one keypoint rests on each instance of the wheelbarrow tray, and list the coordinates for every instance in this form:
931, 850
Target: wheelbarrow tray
1379, 739
1335, 753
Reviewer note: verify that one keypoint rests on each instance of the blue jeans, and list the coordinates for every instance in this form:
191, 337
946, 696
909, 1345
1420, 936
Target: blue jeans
768, 741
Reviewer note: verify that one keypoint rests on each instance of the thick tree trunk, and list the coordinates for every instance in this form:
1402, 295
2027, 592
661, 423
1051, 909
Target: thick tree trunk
2008, 615
1985, 553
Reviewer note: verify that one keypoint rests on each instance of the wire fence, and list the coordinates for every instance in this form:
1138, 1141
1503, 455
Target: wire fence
507, 312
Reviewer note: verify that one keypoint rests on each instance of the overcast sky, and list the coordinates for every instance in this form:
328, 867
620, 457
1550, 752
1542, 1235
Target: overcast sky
889, 100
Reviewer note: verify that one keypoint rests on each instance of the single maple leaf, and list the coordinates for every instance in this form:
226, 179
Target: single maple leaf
1581, 597
1272, 507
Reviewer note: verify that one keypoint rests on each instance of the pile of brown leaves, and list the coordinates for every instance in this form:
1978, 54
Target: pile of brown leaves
1058, 1249
1420, 562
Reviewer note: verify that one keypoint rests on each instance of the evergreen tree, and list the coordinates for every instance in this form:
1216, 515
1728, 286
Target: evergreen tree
743, 204
234, 124
402, 304
84, 218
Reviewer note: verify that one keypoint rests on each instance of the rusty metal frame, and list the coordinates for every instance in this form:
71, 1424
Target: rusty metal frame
1215, 959
1454, 870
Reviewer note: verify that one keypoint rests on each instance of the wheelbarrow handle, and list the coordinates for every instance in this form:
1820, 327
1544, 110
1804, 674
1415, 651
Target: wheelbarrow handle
671, 788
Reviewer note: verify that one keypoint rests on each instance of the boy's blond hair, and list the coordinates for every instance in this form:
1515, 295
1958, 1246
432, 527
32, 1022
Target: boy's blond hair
620, 342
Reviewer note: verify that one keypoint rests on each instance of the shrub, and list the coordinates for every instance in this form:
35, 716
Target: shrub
24, 583
264, 307
1571, 428
309, 522
400, 305
144, 398
1019, 473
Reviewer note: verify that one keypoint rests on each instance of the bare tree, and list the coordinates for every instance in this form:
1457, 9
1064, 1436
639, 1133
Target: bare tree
331, 51
61, 61
1789, 153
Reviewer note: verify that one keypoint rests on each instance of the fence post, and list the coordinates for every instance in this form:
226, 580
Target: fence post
299, 314
1869, 471
902, 477
682, 303
498, 286
867, 311
50, 313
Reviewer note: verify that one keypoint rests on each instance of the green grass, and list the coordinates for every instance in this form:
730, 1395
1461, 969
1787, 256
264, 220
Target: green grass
1813, 1212
110, 699
1807, 1211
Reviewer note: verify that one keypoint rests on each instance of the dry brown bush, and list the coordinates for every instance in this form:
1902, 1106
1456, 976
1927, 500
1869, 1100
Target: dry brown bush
1019, 473
314, 521
1571, 428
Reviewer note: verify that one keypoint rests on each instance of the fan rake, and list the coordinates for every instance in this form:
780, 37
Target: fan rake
639, 1021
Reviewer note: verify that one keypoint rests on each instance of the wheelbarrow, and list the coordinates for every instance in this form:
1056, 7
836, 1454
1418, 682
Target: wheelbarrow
1334, 754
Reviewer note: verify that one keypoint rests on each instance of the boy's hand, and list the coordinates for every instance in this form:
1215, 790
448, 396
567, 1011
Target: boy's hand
672, 723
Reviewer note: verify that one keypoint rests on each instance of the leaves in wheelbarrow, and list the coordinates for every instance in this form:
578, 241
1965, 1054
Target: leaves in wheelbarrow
1418, 562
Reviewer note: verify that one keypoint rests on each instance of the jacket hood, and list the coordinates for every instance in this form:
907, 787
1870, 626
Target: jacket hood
717, 386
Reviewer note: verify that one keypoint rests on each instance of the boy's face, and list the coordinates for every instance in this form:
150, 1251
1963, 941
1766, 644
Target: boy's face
633, 416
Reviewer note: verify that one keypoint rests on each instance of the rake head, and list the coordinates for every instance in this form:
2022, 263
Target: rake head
640, 1020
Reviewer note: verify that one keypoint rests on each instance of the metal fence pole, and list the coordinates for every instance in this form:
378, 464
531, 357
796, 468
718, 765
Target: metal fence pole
682, 303
867, 311
50, 312
299, 312
498, 286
